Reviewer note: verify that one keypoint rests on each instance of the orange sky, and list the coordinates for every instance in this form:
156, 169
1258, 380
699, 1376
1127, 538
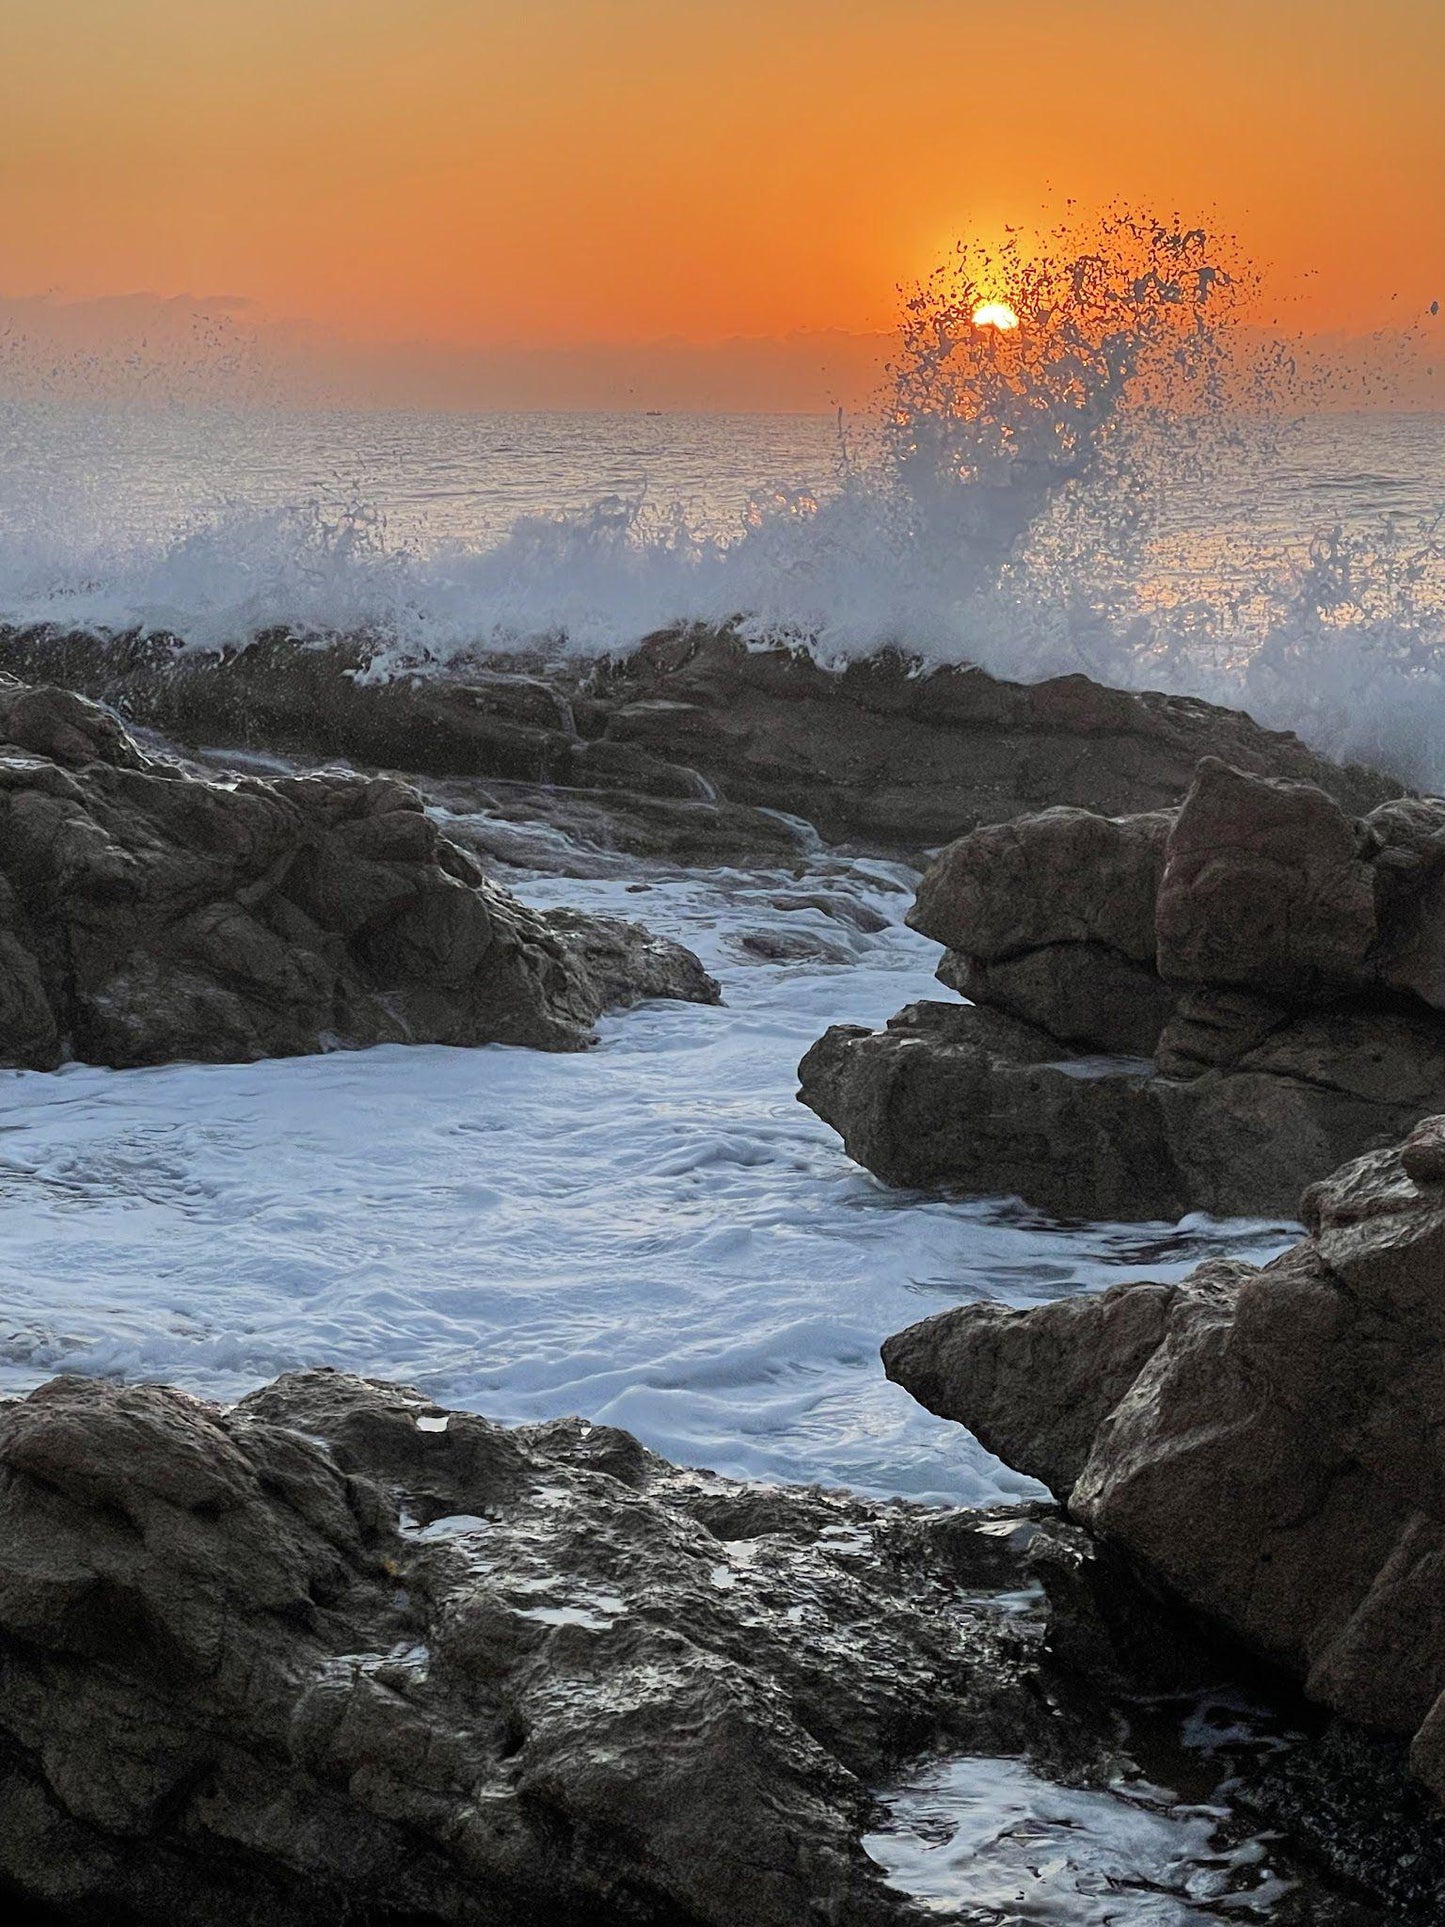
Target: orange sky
569, 170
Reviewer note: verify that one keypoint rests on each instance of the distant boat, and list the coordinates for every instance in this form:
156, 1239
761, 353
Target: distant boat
652, 411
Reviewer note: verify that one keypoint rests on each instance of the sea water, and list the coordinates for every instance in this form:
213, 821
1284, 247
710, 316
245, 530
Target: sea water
655, 1233
1294, 565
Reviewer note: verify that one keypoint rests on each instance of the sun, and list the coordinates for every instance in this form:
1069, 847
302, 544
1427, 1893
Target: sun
995, 314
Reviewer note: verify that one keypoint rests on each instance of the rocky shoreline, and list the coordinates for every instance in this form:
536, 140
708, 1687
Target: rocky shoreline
1198, 1009
147, 914
694, 737
339, 1653
1264, 1441
340, 1648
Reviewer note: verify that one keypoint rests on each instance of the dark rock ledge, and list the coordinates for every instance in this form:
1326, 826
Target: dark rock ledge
337, 1654
148, 915
1270, 1444
1189, 1009
691, 742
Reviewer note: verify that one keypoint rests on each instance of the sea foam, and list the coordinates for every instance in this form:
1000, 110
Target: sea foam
1130, 484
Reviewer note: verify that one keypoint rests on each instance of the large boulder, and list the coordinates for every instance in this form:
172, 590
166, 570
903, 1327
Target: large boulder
340, 1655
1268, 1441
1063, 876
147, 915
702, 734
1281, 964
1265, 885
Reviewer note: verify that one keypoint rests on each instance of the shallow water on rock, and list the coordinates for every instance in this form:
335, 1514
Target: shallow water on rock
994, 1837
654, 1233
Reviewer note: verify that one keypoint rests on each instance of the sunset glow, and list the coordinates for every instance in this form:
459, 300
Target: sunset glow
501, 169
995, 314
613, 172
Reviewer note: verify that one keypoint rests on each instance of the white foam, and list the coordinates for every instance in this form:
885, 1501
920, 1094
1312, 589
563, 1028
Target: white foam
992, 1836
654, 1234
1302, 577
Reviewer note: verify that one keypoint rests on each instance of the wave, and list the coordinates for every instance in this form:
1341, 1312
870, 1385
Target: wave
1038, 500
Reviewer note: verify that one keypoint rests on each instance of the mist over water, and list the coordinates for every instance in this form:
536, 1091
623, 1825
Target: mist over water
1121, 486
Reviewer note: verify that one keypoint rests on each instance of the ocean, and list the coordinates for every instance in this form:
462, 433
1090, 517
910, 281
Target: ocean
656, 1234
1295, 566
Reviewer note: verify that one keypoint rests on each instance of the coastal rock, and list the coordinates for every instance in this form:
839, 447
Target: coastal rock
1279, 962
148, 915
964, 1098
58, 724
1266, 1441
1264, 885
1081, 993
712, 730
951, 1094
339, 1654
1405, 843
626, 963
575, 832
892, 755
1063, 876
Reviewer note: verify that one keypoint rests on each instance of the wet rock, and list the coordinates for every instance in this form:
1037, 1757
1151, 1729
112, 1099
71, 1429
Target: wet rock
1347, 1797
966, 1099
887, 754
1266, 951
1034, 1387
628, 824
880, 754
840, 909
963, 1097
1405, 844
1081, 993
64, 727
1064, 876
793, 946
149, 915
1212, 1029
1241, 1139
339, 1654
628, 964
1267, 1442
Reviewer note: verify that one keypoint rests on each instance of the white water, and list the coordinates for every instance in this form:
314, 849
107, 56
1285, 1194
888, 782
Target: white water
994, 1836
654, 1234
1300, 573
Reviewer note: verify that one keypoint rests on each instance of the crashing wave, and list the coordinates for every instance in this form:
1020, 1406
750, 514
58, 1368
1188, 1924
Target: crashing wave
1091, 490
